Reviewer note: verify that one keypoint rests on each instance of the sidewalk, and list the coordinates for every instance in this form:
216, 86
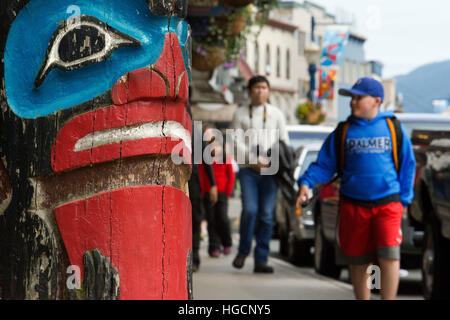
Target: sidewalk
218, 280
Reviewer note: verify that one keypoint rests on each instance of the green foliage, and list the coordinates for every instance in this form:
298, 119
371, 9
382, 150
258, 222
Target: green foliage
220, 35
264, 9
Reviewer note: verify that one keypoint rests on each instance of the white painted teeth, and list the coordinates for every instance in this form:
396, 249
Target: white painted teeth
156, 129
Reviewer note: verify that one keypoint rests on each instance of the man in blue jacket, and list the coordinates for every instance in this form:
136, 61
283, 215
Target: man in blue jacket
374, 194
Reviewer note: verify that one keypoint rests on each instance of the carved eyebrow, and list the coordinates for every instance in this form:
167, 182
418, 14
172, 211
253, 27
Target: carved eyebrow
104, 35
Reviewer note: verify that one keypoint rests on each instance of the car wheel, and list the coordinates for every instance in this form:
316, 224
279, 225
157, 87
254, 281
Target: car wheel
324, 256
298, 251
435, 264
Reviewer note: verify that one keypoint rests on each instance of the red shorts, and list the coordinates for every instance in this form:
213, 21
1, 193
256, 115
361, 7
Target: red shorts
368, 232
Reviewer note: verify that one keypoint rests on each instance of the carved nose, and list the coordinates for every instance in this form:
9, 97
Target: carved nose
167, 78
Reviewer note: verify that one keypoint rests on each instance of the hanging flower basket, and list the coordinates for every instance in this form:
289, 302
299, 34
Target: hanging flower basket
207, 59
309, 113
236, 3
313, 117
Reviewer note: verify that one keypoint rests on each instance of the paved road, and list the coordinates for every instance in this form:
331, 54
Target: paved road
218, 280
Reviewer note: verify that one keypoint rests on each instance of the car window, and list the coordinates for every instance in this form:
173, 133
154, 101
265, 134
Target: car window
299, 142
311, 157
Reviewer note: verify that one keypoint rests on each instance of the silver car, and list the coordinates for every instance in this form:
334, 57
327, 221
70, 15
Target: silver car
296, 227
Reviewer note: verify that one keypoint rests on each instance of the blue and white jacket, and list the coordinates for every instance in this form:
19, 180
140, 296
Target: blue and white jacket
369, 170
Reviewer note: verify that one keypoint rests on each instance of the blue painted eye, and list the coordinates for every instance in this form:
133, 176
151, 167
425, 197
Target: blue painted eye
83, 41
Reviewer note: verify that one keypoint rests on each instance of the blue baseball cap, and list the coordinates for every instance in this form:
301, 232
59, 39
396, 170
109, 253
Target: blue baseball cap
364, 87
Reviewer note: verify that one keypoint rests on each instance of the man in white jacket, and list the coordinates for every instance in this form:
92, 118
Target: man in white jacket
265, 125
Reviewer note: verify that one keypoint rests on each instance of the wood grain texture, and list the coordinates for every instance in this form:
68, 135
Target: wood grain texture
120, 210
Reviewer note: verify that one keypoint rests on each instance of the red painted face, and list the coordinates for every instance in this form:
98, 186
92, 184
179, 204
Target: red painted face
96, 174
143, 229
148, 116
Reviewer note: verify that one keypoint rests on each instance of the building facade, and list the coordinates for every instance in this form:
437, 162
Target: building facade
275, 53
311, 21
352, 67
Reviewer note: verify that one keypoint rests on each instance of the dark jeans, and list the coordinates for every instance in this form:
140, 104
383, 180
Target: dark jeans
197, 216
219, 229
258, 203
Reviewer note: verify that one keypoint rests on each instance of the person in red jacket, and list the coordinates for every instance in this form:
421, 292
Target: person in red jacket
219, 229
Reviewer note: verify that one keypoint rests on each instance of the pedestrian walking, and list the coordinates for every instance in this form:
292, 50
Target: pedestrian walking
258, 190
219, 229
372, 154
198, 212
236, 173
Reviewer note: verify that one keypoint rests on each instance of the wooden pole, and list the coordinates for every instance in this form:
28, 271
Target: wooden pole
93, 110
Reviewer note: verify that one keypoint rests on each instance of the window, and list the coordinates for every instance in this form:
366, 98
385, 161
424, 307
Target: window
256, 67
301, 43
282, 105
288, 64
267, 67
361, 70
369, 69
301, 88
287, 107
354, 72
278, 62
347, 72
277, 102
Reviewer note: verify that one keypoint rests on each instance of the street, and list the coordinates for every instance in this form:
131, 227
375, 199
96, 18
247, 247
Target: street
218, 280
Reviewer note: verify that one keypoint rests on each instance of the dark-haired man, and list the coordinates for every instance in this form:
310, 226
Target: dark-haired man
259, 189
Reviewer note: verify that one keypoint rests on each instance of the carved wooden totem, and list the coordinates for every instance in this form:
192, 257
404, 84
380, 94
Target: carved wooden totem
93, 103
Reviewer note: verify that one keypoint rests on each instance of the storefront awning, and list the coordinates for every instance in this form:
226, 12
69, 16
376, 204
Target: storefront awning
213, 112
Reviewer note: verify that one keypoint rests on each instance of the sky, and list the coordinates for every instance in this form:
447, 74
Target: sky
402, 34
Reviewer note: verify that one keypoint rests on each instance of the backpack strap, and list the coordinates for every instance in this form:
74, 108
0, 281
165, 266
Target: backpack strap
339, 145
397, 140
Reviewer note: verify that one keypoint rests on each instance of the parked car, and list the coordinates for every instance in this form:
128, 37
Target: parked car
302, 134
430, 210
423, 121
327, 259
299, 135
296, 227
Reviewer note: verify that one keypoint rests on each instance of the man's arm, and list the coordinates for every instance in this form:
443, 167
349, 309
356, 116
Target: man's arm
318, 172
240, 147
213, 195
324, 168
407, 170
283, 131
230, 178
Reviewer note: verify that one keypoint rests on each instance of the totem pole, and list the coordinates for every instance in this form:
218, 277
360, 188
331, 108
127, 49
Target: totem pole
94, 101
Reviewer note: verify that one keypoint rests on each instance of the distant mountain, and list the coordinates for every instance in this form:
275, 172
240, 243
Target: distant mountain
423, 85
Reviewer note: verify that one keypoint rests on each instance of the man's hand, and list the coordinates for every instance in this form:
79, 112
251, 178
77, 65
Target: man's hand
303, 196
263, 162
405, 211
213, 196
